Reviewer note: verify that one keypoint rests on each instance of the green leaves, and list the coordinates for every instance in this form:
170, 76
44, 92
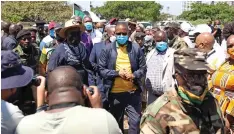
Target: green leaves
15, 11
220, 10
141, 10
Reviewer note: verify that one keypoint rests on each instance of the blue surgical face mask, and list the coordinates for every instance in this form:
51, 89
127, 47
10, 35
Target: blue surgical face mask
161, 46
88, 25
52, 33
100, 29
122, 39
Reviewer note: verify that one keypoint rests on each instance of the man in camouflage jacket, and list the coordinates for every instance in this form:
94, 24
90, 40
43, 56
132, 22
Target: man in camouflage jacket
189, 108
27, 52
174, 40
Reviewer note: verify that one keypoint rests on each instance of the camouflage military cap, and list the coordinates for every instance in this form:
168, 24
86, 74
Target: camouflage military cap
172, 25
191, 59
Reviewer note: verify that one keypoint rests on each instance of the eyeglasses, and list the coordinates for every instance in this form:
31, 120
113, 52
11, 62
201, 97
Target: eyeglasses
121, 33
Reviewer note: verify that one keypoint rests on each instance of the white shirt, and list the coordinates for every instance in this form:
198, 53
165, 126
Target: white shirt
216, 57
75, 120
188, 41
96, 36
11, 115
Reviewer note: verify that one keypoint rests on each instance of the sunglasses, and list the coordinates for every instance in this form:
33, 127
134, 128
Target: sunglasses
121, 33
26, 38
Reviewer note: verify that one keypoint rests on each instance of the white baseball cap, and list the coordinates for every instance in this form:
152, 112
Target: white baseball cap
202, 28
185, 27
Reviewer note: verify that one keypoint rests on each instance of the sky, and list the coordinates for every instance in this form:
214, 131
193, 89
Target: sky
175, 7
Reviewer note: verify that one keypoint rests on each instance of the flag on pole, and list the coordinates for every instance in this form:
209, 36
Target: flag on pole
77, 11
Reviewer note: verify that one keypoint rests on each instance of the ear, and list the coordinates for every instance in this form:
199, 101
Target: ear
84, 91
201, 45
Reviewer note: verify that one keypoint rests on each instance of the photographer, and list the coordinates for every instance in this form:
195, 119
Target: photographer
217, 31
13, 76
67, 111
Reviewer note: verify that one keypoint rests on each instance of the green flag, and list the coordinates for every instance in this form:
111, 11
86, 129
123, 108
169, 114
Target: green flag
77, 11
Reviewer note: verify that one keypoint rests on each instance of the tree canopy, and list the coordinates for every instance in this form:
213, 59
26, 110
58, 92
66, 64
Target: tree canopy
141, 10
15, 11
221, 11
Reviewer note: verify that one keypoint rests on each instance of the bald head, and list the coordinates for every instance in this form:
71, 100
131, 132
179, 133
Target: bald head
14, 29
87, 19
100, 25
20, 25
5, 26
110, 30
160, 36
78, 18
205, 41
64, 77
230, 40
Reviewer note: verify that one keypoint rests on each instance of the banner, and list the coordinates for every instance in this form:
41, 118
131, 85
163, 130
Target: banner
77, 11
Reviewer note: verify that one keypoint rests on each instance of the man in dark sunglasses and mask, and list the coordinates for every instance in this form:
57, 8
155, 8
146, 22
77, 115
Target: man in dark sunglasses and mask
122, 66
72, 52
27, 52
189, 107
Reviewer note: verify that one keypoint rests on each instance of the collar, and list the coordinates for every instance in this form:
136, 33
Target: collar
211, 53
161, 53
117, 45
191, 98
12, 36
172, 41
19, 50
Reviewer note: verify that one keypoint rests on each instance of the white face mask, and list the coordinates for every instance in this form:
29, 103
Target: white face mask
112, 38
100, 29
148, 38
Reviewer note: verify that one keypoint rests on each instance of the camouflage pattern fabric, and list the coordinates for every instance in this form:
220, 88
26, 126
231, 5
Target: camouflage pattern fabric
169, 114
148, 47
29, 59
178, 43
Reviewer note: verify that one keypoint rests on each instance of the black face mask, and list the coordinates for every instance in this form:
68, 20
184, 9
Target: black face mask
73, 38
27, 49
196, 83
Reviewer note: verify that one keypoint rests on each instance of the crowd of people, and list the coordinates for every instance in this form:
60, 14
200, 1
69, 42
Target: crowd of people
85, 77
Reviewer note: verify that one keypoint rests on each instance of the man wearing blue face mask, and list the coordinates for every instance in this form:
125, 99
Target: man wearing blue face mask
90, 36
48, 40
86, 36
122, 65
160, 67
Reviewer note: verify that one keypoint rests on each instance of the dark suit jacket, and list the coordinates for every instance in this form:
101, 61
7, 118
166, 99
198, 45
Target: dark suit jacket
94, 60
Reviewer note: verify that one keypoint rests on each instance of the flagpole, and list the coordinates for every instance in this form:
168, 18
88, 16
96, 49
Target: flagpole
73, 9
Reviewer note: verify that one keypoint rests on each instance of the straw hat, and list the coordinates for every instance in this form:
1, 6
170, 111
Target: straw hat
69, 27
